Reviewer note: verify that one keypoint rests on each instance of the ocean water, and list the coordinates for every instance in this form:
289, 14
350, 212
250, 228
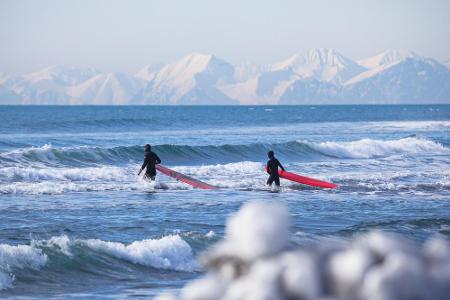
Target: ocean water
76, 220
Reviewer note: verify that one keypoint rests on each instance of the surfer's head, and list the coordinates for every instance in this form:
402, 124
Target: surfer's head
147, 148
270, 154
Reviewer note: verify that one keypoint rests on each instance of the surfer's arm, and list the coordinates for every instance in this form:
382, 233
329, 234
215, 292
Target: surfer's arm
282, 168
158, 160
267, 168
144, 164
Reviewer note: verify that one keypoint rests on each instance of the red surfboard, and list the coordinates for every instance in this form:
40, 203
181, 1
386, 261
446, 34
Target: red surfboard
186, 179
305, 180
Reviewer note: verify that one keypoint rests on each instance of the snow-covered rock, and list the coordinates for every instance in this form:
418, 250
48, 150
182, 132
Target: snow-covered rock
255, 261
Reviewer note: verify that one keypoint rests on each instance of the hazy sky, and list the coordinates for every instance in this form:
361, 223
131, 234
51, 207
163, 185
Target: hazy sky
125, 35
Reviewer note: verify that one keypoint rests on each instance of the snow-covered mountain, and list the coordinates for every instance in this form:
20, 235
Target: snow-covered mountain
323, 64
191, 80
7, 95
109, 88
61, 76
410, 80
392, 77
47, 86
386, 58
317, 76
148, 72
280, 80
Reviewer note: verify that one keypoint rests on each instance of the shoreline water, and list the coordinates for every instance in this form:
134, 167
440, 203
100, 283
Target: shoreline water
73, 209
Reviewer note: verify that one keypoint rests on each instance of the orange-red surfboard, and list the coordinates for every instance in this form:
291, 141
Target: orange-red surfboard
186, 179
305, 180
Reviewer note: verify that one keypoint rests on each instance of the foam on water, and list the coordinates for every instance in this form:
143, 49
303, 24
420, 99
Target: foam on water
387, 174
369, 148
35, 174
409, 126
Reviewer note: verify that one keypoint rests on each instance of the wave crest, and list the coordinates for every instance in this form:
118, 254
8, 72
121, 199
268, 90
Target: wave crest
301, 150
169, 252
368, 148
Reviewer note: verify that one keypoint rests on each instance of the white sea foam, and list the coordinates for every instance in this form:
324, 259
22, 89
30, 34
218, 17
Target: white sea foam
71, 174
409, 126
374, 266
18, 257
210, 234
368, 148
54, 188
241, 175
244, 174
169, 252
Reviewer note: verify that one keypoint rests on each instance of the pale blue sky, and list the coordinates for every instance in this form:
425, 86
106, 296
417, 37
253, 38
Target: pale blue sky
125, 35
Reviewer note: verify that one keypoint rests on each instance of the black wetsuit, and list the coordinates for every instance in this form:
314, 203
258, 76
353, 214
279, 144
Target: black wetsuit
151, 159
272, 169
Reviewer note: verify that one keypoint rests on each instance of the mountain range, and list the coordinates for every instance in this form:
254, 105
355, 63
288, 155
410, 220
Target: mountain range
317, 76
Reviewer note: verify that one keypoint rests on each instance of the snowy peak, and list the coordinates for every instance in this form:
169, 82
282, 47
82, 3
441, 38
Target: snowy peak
109, 88
4, 77
187, 68
409, 81
148, 72
322, 63
61, 75
389, 59
317, 76
386, 58
188, 80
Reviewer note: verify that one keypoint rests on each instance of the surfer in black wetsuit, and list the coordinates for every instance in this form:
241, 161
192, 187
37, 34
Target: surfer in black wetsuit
150, 161
272, 169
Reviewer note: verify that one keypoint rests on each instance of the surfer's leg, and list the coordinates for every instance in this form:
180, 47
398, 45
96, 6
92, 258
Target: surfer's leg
277, 181
270, 180
149, 177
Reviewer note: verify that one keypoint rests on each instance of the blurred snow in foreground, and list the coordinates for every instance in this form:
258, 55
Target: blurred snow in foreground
254, 261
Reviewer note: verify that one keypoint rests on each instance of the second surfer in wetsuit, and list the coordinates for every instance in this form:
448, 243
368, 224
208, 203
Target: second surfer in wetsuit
272, 169
150, 162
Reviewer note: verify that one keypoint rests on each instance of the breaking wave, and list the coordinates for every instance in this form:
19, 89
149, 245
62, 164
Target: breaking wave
18, 257
170, 252
368, 148
194, 155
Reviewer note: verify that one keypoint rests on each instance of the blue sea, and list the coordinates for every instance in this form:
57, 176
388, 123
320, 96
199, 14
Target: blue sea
77, 222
